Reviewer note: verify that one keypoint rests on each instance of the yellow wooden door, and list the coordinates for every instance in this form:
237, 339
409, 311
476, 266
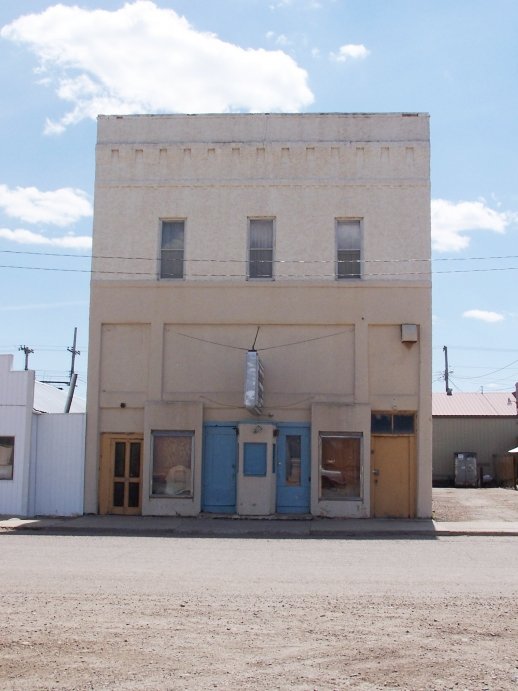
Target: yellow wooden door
393, 476
120, 478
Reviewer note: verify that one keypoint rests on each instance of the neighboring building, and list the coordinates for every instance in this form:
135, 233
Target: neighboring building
297, 244
482, 423
41, 447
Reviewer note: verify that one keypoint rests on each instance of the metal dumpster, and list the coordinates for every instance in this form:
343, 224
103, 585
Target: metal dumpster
466, 469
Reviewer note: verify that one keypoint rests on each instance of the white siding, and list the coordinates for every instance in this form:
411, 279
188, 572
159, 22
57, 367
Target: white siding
16, 395
59, 453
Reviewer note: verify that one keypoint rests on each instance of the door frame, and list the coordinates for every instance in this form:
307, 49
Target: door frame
411, 473
106, 470
206, 427
284, 429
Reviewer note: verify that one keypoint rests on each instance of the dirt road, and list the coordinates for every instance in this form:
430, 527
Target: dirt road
170, 613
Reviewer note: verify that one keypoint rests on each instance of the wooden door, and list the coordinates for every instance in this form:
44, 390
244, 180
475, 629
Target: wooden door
393, 476
120, 478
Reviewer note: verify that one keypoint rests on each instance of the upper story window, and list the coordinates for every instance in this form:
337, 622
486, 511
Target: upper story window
348, 249
172, 249
260, 248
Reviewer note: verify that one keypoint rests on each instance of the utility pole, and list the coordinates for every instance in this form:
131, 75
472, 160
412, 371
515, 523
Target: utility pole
446, 371
74, 353
25, 349
72, 365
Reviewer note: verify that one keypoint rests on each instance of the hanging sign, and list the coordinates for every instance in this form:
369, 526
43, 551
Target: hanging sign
254, 386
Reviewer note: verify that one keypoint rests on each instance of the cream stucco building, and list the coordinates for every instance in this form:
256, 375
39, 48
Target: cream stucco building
260, 336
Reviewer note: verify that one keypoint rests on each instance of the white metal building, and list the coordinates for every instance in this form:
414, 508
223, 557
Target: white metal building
41, 447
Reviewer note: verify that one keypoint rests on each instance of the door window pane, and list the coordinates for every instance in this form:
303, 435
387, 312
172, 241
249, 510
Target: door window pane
118, 493
133, 494
172, 464
260, 263
293, 450
119, 459
134, 459
340, 467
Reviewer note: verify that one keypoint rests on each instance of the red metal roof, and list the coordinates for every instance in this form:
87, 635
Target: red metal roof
474, 404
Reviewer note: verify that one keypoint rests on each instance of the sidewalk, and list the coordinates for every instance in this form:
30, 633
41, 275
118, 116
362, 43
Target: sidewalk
272, 528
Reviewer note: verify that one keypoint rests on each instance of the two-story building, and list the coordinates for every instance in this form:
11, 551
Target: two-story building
260, 326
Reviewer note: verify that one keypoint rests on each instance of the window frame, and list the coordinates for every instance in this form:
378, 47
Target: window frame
188, 492
7, 441
348, 276
161, 261
392, 431
341, 435
249, 248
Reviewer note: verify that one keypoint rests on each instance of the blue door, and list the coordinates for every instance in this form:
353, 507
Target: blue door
219, 469
293, 469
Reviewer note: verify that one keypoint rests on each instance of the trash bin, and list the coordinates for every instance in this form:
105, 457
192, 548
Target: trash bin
466, 469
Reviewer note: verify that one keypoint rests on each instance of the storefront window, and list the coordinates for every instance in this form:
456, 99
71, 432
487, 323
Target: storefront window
340, 466
172, 464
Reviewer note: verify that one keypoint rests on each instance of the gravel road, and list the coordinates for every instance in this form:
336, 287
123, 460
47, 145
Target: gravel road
171, 613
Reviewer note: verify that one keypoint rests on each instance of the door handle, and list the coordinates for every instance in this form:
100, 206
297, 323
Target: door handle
376, 472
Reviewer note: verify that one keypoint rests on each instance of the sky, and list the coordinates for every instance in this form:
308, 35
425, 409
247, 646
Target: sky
64, 63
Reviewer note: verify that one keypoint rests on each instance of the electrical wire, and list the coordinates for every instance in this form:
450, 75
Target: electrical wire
275, 261
128, 273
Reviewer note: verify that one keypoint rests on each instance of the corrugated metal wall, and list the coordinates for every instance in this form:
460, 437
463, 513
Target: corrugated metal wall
59, 468
485, 436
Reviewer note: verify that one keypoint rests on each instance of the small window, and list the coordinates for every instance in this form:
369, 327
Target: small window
340, 466
260, 248
172, 249
254, 459
172, 464
387, 423
6, 458
348, 249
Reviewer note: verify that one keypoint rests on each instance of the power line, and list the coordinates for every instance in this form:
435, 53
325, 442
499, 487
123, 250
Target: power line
401, 274
275, 261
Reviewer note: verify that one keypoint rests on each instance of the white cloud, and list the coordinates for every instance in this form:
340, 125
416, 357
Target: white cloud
351, 51
28, 237
61, 207
484, 315
278, 39
451, 221
142, 59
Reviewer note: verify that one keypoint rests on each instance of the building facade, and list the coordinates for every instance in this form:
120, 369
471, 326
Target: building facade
260, 334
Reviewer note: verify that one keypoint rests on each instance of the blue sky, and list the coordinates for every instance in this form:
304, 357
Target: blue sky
64, 63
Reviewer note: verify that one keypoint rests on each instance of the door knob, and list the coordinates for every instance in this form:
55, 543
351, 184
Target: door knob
376, 472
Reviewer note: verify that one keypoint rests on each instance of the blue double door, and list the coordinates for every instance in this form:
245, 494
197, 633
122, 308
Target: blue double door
220, 469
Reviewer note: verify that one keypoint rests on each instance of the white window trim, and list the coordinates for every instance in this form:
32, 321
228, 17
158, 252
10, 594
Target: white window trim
167, 219
171, 433
248, 248
343, 435
351, 219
